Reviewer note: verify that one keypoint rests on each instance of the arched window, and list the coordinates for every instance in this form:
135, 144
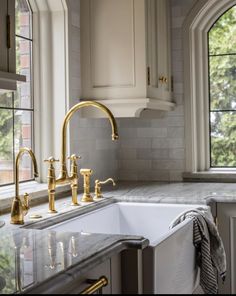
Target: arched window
209, 79
222, 90
17, 108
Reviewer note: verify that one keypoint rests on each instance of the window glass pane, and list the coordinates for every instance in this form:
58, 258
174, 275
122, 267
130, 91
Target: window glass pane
223, 139
23, 58
223, 82
6, 147
23, 138
222, 36
23, 19
6, 99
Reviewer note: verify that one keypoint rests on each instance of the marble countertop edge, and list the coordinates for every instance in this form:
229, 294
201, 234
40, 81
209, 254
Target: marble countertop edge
60, 281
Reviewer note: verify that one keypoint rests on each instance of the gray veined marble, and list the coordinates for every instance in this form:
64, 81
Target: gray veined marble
29, 258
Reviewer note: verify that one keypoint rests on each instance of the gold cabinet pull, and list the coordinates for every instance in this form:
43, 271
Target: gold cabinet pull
96, 286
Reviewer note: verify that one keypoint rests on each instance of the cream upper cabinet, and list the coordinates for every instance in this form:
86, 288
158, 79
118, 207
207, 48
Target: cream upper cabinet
8, 76
125, 55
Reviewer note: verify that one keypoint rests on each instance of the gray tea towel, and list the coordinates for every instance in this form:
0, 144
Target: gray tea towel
209, 246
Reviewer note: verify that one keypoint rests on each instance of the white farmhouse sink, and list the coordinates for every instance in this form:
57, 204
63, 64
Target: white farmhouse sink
169, 261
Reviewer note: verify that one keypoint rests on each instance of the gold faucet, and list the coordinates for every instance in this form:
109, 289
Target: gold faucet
19, 209
64, 177
98, 187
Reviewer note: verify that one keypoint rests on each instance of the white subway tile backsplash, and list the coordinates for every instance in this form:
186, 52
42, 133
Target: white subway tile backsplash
137, 164
151, 154
160, 143
152, 132
136, 143
176, 121
175, 132
176, 153
127, 153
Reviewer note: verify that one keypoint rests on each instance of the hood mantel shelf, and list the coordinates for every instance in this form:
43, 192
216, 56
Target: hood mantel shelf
123, 108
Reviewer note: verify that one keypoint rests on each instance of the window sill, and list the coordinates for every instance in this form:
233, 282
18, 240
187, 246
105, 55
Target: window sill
213, 175
38, 193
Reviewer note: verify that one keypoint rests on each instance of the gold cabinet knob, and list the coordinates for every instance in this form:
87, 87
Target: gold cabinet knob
163, 79
98, 187
86, 173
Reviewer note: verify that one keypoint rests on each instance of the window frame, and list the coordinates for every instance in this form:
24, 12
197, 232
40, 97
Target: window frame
209, 81
31, 109
196, 84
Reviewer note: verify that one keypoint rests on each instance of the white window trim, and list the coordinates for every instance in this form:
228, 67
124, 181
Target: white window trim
50, 26
196, 87
51, 93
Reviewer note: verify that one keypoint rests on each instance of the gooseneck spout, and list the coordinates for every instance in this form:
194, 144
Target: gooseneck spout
19, 209
64, 174
36, 174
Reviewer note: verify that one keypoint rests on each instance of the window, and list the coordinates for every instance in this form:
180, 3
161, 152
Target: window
17, 108
205, 117
222, 86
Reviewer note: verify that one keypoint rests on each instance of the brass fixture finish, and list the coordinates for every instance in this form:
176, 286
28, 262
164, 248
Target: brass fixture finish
98, 187
19, 209
51, 184
96, 286
36, 217
87, 174
64, 177
163, 79
74, 179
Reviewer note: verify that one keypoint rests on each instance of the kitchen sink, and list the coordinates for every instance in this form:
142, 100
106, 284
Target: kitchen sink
169, 262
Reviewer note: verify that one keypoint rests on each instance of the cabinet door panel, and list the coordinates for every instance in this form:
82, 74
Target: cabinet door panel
226, 213
112, 43
113, 48
158, 49
12, 49
3, 36
232, 253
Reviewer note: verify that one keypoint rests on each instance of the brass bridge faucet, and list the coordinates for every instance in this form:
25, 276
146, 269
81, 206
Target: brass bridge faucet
19, 209
64, 177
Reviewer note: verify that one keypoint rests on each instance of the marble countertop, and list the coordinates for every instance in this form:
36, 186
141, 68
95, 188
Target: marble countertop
29, 258
34, 244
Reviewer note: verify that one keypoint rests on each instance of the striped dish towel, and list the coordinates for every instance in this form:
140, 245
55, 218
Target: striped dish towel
209, 246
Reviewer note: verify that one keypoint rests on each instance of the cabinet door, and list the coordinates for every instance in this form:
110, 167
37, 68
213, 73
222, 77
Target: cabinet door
7, 41
226, 216
11, 47
113, 49
158, 50
3, 36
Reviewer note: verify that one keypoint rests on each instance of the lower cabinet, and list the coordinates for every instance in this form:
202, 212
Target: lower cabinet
110, 270
226, 219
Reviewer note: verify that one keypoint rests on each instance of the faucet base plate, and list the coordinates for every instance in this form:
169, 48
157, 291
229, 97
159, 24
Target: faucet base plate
52, 212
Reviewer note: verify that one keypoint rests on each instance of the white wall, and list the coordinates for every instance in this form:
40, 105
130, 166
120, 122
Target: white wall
148, 149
